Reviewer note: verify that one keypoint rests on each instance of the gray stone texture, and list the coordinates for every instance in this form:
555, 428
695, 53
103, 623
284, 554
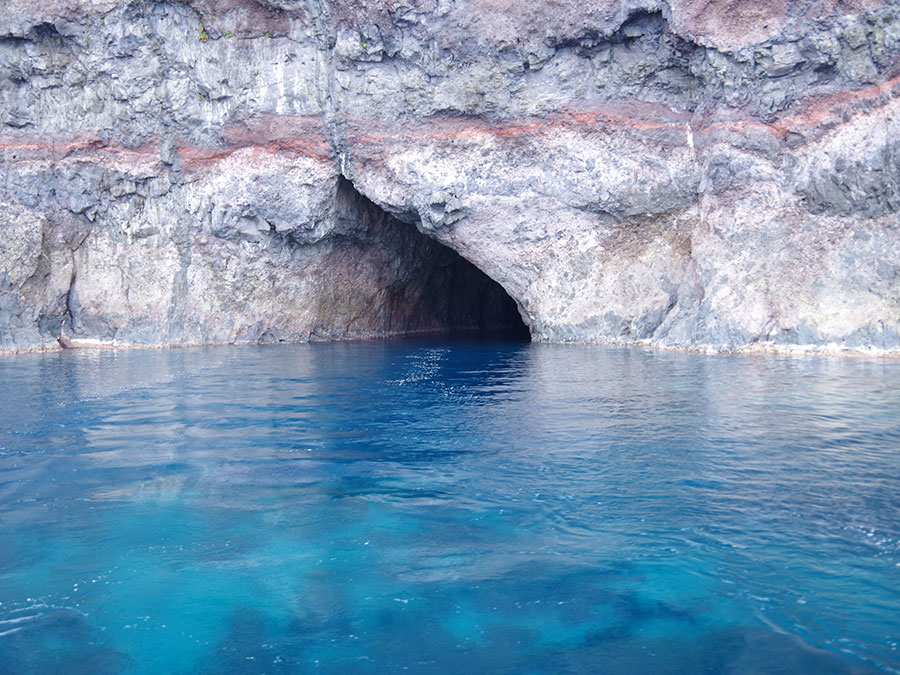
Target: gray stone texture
701, 174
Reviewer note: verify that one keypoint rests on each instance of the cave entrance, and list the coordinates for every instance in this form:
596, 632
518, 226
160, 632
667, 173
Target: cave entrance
425, 286
465, 302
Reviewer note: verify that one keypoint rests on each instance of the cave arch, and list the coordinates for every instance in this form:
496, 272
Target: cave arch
429, 288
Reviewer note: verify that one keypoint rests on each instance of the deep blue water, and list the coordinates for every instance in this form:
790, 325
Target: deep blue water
448, 507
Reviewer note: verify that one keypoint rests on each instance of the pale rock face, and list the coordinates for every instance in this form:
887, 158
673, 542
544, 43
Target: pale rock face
700, 174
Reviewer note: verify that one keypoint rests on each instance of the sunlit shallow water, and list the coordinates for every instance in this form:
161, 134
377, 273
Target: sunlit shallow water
448, 507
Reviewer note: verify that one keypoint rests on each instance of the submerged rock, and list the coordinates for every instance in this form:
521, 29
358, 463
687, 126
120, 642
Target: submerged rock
704, 175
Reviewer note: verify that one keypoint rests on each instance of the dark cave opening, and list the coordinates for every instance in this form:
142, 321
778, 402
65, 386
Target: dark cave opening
425, 286
467, 302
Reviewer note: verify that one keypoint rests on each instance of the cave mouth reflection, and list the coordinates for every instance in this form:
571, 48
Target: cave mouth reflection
439, 292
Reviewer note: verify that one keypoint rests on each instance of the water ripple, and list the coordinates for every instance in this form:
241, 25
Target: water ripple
374, 507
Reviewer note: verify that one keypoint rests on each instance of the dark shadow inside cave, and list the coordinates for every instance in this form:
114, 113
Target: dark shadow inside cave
425, 287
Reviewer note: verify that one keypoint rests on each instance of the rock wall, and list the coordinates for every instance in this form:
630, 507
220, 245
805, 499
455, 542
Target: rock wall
704, 174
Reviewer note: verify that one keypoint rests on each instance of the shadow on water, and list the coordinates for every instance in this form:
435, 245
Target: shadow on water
56, 640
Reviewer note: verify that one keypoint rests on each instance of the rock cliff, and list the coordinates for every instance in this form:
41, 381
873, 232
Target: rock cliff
704, 174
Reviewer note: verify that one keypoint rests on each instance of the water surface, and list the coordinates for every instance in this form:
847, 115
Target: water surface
448, 507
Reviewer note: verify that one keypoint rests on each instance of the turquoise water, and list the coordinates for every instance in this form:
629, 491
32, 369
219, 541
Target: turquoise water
448, 507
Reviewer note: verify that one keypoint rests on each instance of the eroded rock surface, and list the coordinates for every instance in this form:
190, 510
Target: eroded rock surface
705, 174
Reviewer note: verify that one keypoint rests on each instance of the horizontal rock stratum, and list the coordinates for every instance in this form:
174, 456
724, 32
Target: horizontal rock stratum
701, 174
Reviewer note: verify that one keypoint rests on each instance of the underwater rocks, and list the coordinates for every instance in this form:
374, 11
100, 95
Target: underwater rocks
702, 175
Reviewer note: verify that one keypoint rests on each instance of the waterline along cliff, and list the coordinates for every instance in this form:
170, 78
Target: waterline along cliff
702, 174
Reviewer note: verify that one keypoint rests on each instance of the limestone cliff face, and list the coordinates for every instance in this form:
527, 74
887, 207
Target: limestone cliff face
707, 174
